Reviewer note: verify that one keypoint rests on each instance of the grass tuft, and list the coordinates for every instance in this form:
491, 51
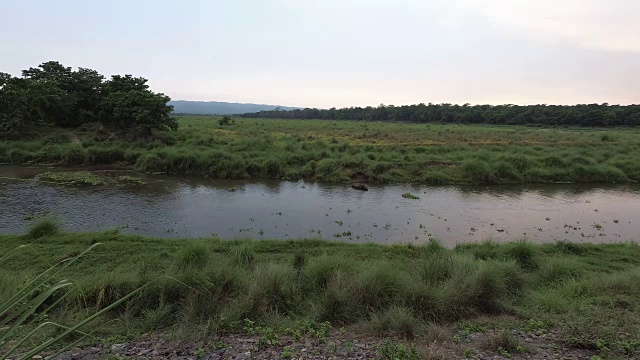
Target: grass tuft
244, 254
43, 227
396, 319
193, 257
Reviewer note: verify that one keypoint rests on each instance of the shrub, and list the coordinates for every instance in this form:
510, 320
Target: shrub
226, 120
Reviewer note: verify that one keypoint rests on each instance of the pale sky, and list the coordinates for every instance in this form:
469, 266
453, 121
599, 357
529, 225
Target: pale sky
342, 52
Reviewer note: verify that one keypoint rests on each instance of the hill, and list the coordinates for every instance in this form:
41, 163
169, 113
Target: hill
220, 108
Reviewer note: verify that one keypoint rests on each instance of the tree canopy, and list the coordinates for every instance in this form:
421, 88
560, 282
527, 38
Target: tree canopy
602, 115
54, 95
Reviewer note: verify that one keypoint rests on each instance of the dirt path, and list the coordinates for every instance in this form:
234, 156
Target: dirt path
339, 345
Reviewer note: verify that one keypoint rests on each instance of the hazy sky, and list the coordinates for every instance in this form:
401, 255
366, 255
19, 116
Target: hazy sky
342, 52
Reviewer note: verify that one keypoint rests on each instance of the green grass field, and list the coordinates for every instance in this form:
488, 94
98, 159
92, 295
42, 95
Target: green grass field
345, 150
204, 287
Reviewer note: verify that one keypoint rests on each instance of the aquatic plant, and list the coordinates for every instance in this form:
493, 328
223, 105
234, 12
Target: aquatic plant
410, 196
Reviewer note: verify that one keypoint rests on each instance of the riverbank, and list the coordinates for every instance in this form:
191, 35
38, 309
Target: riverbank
344, 151
583, 296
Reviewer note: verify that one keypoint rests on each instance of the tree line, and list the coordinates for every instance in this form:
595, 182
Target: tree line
52, 95
602, 115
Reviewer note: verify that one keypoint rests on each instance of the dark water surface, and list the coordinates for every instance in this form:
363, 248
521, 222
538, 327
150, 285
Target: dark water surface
168, 206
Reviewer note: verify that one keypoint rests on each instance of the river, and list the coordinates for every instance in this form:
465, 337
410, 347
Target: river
185, 207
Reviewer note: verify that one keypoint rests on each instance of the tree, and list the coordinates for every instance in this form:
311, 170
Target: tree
225, 120
86, 86
54, 95
128, 104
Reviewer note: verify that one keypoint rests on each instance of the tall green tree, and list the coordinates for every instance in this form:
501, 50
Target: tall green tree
128, 103
54, 95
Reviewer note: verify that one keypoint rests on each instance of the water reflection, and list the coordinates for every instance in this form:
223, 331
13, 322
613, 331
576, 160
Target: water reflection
173, 206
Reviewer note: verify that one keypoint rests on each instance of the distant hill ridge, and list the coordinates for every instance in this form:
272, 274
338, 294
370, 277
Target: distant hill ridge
221, 108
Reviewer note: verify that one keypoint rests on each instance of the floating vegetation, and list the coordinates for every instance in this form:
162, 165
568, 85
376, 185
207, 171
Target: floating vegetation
235, 188
343, 234
73, 178
131, 179
89, 178
410, 196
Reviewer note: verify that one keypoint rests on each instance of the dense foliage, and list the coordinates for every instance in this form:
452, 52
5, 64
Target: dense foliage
580, 115
55, 95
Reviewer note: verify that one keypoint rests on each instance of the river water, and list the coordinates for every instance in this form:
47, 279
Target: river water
185, 207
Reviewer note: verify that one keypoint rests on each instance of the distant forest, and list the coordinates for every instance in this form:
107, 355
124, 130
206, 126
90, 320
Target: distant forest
602, 115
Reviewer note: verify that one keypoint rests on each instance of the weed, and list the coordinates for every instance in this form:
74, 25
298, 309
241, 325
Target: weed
504, 352
469, 328
287, 353
398, 351
199, 353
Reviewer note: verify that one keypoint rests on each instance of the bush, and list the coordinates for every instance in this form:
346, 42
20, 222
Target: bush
226, 120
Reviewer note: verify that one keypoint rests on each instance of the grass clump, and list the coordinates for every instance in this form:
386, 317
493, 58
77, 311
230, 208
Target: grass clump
244, 254
397, 319
193, 257
43, 227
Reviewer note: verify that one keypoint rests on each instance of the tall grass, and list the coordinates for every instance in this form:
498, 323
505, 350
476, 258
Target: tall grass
206, 287
334, 151
23, 315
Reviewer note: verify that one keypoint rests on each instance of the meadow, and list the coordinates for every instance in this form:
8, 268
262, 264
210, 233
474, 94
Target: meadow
200, 288
343, 151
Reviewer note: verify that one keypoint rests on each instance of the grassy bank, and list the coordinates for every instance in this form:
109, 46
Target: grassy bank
205, 287
345, 150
